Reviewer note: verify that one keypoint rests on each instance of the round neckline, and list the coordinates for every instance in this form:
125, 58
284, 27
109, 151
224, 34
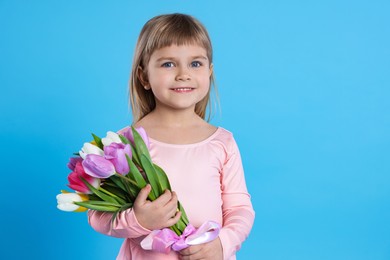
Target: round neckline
206, 140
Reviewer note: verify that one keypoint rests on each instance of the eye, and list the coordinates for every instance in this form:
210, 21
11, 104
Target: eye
168, 65
196, 64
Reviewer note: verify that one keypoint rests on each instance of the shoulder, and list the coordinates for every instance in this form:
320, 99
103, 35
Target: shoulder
226, 139
224, 135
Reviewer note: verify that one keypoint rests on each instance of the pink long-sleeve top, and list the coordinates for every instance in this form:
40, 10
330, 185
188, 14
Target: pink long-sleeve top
208, 178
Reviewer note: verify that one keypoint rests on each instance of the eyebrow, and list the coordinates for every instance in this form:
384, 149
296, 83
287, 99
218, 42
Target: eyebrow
192, 58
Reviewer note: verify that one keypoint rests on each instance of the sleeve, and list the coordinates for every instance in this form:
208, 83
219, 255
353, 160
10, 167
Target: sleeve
238, 213
125, 224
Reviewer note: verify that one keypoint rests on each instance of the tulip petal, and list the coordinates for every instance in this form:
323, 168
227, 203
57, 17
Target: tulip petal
73, 161
98, 167
129, 134
69, 207
116, 154
66, 201
75, 182
89, 148
111, 138
144, 135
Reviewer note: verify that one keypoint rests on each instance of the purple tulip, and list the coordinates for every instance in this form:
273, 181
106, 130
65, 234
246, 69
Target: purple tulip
73, 161
97, 166
116, 154
129, 135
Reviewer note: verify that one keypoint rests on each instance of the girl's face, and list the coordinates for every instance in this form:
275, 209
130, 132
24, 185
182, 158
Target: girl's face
179, 76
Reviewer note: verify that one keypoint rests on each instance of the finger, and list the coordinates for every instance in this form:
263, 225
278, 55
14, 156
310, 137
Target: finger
173, 202
143, 195
172, 212
172, 205
190, 251
164, 198
174, 197
172, 221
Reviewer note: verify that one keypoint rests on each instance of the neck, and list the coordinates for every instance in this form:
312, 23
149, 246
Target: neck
176, 126
174, 118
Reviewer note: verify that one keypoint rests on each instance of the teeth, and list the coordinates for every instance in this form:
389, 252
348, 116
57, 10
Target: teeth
183, 89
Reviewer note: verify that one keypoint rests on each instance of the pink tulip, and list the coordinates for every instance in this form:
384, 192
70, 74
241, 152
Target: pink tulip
129, 135
116, 154
97, 166
77, 184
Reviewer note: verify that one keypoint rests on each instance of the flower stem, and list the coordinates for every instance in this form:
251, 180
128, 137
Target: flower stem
128, 180
176, 230
120, 200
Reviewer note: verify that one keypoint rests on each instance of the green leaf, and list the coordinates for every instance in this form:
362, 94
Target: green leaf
127, 180
100, 203
133, 191
93, 197
140, 146
180, 226
124, 207
117, 181
89, 205
113, 188
183, 221
135, 173
113, 195
183, 214
124, 139
131, 186
151, 175
135, 155
98, 141
99, 193
163, 178
139, 178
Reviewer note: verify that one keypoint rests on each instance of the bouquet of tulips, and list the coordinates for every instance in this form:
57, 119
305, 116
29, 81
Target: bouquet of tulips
107, 175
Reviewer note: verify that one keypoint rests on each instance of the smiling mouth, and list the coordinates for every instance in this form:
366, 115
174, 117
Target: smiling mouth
182, 90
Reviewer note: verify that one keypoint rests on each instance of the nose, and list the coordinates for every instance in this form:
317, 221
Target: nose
183, 73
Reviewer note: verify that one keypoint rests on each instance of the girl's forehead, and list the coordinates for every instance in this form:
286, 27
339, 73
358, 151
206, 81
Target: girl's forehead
181, 49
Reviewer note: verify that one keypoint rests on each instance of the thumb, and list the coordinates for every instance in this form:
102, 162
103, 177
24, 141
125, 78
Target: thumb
143, 195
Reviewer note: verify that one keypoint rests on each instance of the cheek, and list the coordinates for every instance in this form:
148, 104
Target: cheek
158, 79
206, 81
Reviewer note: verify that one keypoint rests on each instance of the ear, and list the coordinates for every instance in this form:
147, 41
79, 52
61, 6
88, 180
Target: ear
143, 78
211, 70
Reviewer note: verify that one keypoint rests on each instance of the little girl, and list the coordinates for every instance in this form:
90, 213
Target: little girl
169, 90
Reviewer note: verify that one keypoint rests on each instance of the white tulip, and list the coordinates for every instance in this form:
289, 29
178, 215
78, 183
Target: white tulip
111, 138
89, 148
65, 202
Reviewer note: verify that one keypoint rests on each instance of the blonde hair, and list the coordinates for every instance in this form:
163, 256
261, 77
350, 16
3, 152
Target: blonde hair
162, 31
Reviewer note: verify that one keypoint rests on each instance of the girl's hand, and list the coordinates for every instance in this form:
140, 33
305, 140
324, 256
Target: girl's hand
157, 214
211, 250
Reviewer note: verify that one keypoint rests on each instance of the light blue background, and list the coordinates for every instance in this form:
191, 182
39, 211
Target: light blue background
304, 86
